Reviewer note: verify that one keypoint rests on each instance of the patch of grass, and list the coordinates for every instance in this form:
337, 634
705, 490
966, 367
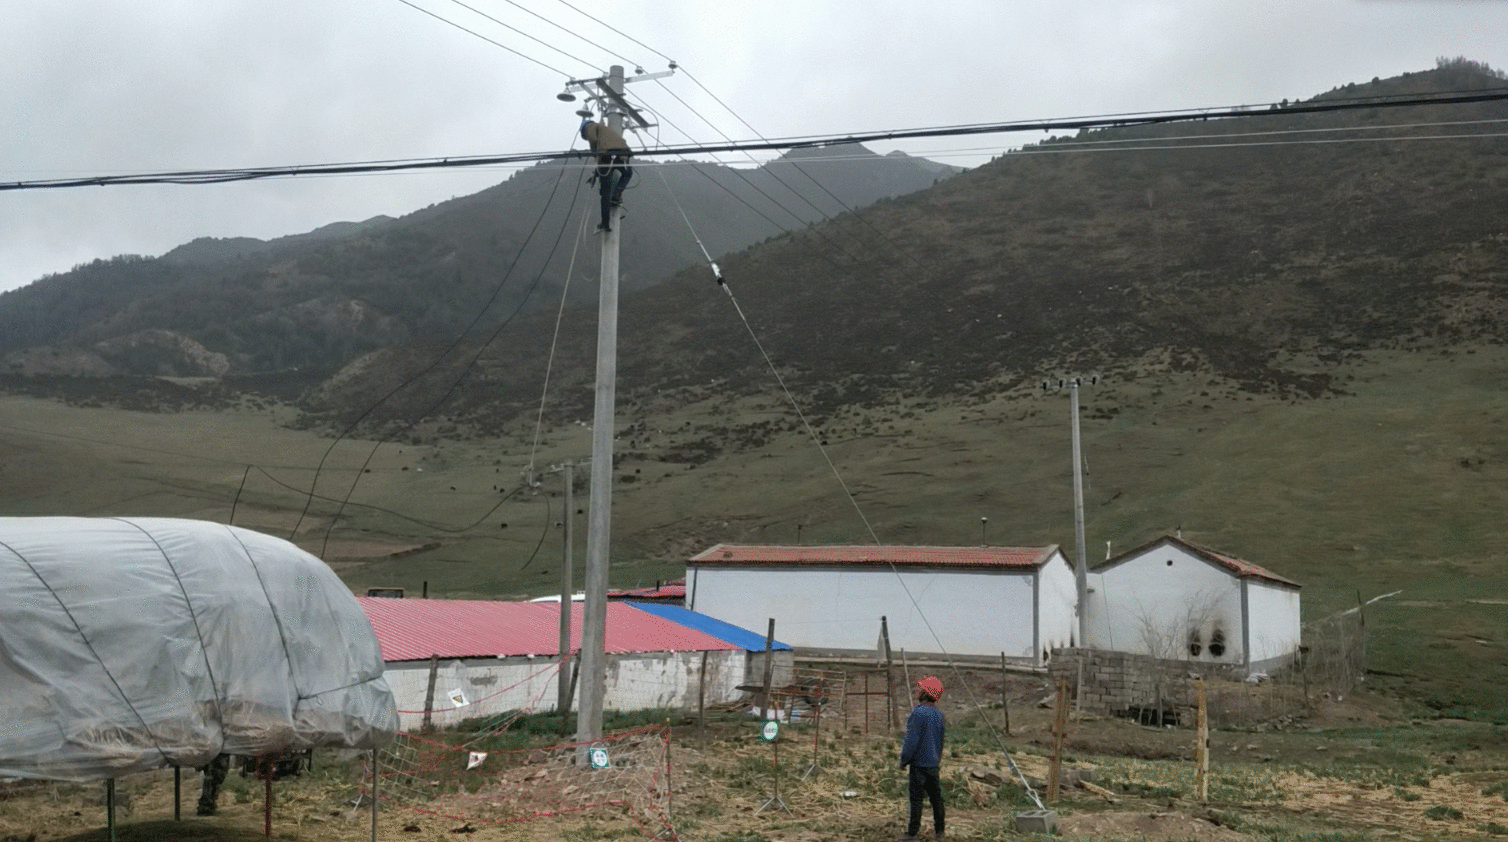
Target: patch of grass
591, 832
1499, 788
1375, 777
1280, 833
1406, 794
1146, 790
1252, 784
1443, 812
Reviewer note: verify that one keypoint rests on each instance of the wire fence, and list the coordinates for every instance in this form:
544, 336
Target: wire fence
1163, 691
489, 744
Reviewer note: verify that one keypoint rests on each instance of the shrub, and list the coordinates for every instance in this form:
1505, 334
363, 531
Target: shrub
1442, 811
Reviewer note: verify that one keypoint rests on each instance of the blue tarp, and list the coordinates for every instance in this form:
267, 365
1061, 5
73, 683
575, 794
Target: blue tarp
736, 635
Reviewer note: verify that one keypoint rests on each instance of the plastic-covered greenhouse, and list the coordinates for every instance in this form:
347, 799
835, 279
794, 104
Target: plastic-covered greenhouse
128, 644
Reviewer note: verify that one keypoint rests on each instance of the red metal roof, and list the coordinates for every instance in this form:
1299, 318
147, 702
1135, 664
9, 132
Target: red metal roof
1240, 567
673, 589
415, 629
877, 555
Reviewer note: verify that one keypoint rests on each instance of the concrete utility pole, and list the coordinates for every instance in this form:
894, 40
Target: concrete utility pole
608, 92
567, 590
599, 511
1081, 563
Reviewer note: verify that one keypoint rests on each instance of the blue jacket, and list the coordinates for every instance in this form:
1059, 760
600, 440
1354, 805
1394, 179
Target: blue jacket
924, 737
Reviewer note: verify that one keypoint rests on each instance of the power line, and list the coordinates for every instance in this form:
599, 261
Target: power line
571, 32
485, 38
441, 357
800, 169
619, 31
737, 173
221, 176
475, 10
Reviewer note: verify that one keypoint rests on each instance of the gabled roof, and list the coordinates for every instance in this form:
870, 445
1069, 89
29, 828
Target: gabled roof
415, 629
737, 635
1242, 568
870, 555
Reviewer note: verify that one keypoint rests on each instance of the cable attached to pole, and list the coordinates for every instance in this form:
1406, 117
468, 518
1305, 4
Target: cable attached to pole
717, 273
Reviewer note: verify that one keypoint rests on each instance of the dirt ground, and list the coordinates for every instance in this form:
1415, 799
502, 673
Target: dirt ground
853, 796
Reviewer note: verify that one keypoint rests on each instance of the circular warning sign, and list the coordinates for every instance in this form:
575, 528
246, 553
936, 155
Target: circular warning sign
770, 730
598, 757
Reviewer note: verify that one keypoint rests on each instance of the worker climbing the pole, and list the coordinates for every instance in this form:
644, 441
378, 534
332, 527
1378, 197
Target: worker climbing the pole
613, 171
922, 752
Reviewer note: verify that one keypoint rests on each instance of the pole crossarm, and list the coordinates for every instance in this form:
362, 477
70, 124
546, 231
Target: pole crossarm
603, 88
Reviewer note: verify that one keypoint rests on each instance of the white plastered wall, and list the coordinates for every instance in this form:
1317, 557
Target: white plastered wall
491, 686
1274, 624
1057, 622
1161, 601
838, 609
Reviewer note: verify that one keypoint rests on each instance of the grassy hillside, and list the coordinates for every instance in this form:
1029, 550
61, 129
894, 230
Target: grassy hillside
1303, 346
319, 299
1398, 484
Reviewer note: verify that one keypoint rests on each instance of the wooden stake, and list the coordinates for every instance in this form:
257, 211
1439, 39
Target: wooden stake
1202, 748
1004, 702
895, 722
701, 705
1059, 728
429, 694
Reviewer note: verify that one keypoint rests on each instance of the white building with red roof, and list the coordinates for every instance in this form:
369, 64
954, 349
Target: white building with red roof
450, 660
1174, 599
959, 601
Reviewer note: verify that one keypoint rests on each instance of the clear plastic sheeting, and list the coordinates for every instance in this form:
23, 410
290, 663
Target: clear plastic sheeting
128, 644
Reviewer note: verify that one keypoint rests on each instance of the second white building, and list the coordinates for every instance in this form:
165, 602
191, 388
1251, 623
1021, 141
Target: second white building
957, 601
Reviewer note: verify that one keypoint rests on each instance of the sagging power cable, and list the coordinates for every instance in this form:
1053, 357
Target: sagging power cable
796, 407
434, 363
222, 176
916, 606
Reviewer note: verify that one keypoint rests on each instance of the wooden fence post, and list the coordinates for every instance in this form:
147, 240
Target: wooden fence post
429, 695
895, 722
1202, 748
1004, 702
1059, 728
701, 704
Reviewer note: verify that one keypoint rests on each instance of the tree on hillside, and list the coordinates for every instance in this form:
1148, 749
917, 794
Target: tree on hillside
1464, 63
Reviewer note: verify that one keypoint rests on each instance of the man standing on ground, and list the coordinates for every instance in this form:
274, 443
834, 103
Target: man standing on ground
613, 172
922, 752
209, 787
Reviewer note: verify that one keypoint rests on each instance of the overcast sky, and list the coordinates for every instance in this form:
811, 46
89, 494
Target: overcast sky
95, 87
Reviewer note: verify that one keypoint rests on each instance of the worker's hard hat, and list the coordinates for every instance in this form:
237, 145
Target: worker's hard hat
931, 686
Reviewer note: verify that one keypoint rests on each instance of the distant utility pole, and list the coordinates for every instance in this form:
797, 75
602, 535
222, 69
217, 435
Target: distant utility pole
1081, 564
567, 591
607, 93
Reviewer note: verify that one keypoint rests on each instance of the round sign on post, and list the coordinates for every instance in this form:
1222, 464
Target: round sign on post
769, 731
598, 758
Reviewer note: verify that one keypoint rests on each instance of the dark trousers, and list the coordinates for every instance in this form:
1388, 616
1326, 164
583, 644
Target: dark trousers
923, 781
209, 788
613, 175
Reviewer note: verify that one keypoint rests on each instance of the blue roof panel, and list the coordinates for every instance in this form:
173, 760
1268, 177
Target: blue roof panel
736, 635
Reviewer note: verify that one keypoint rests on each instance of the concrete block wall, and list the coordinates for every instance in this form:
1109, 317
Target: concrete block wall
1114, 682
